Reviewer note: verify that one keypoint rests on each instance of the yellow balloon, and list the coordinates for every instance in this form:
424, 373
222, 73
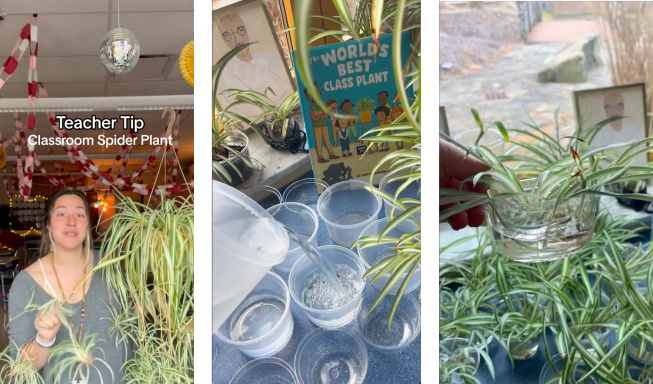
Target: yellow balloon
3, 156
186, 63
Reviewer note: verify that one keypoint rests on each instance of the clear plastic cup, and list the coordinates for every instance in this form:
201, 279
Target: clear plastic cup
578, 370
266, 196
374, 255
492, 139
268, 370
262, 324
305, 191
302, 275
247, 242
300, 219
347, 208
412, 191
331, 356
374, 328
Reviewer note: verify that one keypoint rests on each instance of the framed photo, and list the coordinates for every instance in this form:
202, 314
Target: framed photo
595, 105
444, 125
255, 68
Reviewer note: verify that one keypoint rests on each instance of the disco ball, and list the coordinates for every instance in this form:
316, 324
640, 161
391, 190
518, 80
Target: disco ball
119, 51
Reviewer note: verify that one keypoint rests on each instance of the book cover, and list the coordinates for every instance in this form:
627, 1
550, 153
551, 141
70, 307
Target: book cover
353, 83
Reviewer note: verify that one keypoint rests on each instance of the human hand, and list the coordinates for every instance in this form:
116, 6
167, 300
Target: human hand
47, 325
454, 168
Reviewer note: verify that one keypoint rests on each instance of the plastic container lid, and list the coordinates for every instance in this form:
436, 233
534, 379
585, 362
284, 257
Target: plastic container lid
244, 228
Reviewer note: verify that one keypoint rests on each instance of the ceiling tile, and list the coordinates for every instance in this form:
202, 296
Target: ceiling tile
63, 70
158, 33
59, 35
175, 72
59, 6
149, 88
154, 5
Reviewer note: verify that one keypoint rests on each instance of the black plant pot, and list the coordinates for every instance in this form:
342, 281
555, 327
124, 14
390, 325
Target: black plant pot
246, 171
294, 141
636, 205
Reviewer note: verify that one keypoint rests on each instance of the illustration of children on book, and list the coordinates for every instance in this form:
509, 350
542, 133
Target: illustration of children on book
383, 97
346, 107
383, 116
320, 128
343, 125
332, 105
396, 112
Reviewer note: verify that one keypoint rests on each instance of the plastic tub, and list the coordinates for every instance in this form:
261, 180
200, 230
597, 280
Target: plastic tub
374, 328
347, 208
305, 191
301, 277
374, 255
331, 356
265, 371
266, 196
247, 242
412, 191
262, 324
300, 219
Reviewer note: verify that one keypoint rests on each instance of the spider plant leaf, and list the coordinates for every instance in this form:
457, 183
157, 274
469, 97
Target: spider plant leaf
402, 288
447, 213
627, 153
398, 66
396, 275
477, 118
377, 17
219, 67
336, 34
501, 129
343, 10
247, 122
379, 270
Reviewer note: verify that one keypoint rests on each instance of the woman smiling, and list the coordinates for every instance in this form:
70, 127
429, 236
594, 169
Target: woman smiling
61, 273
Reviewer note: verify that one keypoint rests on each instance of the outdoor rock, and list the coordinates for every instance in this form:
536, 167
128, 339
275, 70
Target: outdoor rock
565, 67
447, 65
572, 63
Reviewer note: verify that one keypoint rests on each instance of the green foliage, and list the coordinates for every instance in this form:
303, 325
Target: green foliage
148, 262
605, 286
560, 173
272, 114
365, 105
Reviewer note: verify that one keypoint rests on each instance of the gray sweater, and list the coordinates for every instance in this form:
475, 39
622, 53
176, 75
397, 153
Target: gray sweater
96, 321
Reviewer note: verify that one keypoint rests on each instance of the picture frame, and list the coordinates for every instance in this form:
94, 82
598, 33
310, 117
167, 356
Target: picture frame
592, 106
444, 124
257, 67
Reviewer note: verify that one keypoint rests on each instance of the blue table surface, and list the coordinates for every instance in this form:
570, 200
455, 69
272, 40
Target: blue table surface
401, 368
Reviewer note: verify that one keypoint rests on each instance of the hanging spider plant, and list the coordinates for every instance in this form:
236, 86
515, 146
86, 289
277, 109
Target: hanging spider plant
147, 261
